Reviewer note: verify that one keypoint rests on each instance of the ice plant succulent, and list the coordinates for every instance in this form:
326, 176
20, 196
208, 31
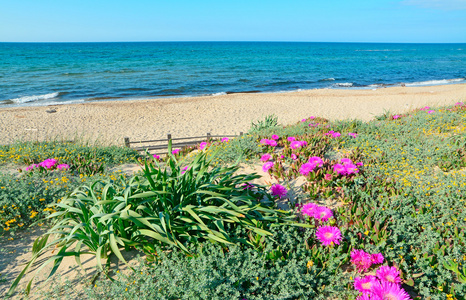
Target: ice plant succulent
278, 190
389, 291
388, 274
267, 166
48, 163
361, 260
202, 145
316, 160
307, 168
365, 284
329, 235
266, 157
63, 167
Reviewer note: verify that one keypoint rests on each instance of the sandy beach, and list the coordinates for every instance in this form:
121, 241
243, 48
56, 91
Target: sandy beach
111, 121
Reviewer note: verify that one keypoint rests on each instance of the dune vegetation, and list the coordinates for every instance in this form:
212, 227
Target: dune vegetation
368, 210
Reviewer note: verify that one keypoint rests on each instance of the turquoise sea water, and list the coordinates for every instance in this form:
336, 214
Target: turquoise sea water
51, 73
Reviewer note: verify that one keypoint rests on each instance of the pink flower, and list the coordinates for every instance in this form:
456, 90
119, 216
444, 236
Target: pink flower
272, 143
247, 186
202, 145
340, 169
316, 160
185, 169
359, 164
377, 258
350, 169
307, 168
31, 167
391, 291
225, 139
328, 177
459, 103
365, 284
293, 156
291, 138
266, 157
425, 108
275, 137
329, 235
295, 145
312, 117
264, 142
156, 157
336, 134
388, 274
278, 190
346, 161
361, 260
309, 209
352, 134
267, 166
176, 151
396, 117
303, 120
63, 167
323, 213
48, 163
431, 111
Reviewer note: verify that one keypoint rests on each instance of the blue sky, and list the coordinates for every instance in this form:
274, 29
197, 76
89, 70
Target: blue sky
233, 20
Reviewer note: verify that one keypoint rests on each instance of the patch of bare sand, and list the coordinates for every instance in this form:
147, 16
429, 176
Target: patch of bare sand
111, 121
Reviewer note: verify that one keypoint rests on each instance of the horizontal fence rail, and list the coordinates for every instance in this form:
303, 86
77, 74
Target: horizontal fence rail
161, 146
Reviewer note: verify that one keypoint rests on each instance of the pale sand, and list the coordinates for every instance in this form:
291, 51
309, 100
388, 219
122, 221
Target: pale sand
111, 121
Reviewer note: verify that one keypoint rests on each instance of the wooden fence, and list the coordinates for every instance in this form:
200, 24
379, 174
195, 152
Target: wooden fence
161, 146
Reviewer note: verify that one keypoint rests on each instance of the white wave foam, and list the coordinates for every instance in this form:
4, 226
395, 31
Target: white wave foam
343, 84
328, 79
436, 82
219, 94
32, 98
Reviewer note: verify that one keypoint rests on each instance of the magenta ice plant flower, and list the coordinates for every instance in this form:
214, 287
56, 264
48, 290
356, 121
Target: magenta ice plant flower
361, 260
353, 135
323, 213
267, 166
309, 209
316, 160
336, 134
176, 151
266, 157
368, 296
296, 144
328, 177
312, 117
391, 291
63, 167
459, 103
340, 169
225, 139
291, 139
156, 157
350, 169
365, 284
303, 120
31, 167
329, 235
48, 163
306, 168
346, 161
293, 156
202, 145
431, 111
388, 274
278, 190
396, 117
275, 137
377, 258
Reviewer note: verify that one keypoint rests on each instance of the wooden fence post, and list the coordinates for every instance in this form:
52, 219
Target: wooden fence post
208, 136
169, 137
127, 142
240, 133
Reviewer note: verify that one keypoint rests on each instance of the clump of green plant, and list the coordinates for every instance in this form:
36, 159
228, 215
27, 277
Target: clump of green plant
270, 121
173, 206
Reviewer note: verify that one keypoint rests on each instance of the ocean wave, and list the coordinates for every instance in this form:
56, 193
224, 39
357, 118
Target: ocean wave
219, 94
436, 82
327, 79
33, 98
343, 84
